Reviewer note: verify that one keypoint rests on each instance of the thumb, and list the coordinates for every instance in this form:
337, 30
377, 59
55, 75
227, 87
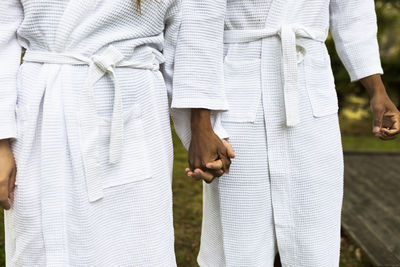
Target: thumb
11, 184
378, 118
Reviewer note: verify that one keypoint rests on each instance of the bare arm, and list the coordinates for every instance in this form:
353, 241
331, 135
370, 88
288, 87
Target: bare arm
354, 29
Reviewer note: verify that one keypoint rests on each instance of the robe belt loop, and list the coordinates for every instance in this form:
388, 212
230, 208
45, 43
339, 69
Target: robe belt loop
99, 66
288, 33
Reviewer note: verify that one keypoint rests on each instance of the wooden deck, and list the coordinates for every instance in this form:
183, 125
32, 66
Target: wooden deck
371, 209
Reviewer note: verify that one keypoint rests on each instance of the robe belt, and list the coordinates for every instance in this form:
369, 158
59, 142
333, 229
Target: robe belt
291, 56
99, 65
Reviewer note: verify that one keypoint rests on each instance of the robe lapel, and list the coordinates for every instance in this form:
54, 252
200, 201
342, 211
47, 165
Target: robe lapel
75, 12
277, 13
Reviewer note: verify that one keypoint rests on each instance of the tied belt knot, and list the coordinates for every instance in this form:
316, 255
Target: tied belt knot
100, 65
107, 61
292, 54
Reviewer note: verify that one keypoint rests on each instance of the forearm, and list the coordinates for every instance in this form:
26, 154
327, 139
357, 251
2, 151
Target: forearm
200, 121
374, 85
4, 142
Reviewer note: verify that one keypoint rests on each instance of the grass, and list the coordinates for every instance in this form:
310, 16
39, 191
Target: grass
188, 207
369, 143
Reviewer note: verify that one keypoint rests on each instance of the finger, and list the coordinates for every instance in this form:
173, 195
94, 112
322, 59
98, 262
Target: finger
193, 161
392, 129
195, 164
11, 184
193, 176
389, 132
190, 164
387, 138
231, 152
378, 117
4, 202
215, 165
229, 148
216, 173
198, 164
206, 176
226, 162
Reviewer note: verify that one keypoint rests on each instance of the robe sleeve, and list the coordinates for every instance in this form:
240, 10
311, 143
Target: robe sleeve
191, 65
198, 79
354, 29
11, 16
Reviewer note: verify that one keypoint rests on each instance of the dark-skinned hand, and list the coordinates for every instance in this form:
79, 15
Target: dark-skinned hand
206, 146
199, 174
386, 123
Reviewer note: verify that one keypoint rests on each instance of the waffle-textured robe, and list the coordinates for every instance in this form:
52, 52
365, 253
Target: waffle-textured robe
284, 191
91, 133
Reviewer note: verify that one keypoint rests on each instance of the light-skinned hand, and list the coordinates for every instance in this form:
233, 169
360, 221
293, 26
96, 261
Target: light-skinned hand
8, 172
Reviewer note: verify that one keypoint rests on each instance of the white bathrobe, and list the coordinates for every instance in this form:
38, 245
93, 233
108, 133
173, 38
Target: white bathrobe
284, 191
88, 113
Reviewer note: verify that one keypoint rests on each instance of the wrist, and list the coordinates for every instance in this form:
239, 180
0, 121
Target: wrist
374, 85
4, 143
200, 121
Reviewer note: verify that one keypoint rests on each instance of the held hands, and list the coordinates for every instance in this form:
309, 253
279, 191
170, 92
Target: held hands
386, 123
8, 172
209, 156
213, 169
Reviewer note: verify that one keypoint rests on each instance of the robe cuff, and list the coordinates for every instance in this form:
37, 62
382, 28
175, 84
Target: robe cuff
182, 123
8, 130
358, 74
206, 103
217, 125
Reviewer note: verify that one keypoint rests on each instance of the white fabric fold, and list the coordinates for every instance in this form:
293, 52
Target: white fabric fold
99, 65
291, 56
